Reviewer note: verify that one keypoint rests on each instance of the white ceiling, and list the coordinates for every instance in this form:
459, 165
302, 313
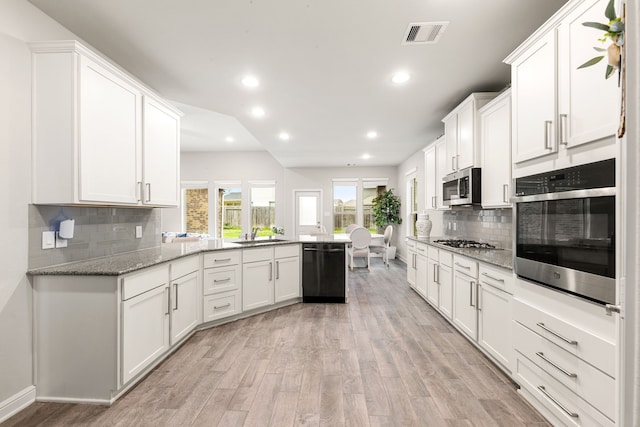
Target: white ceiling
324, 67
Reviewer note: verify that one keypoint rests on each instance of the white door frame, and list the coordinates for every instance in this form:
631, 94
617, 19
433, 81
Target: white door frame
295, 207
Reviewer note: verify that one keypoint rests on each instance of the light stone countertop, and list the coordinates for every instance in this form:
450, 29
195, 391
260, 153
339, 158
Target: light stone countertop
498, 257
115, 265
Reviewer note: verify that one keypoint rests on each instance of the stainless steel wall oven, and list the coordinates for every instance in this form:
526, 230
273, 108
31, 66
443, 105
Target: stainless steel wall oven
565, 230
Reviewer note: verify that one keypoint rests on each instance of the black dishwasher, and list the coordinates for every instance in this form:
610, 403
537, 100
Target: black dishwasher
324, 272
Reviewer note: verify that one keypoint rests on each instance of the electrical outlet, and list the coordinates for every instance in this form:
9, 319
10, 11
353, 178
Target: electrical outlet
60, 242
48, 239
138, 232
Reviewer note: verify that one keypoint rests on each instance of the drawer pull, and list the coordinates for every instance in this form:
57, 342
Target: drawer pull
468, 267
222, 260
554, 333
492, 278
221, 280
421, 249
218, 307
558, 404
471, 284
559, 368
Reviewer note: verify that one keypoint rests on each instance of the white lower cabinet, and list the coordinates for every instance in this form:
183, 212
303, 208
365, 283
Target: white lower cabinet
411, 263
222, 285
421, 269
445, 282
186, 297
287, 264
257, 278
465, 282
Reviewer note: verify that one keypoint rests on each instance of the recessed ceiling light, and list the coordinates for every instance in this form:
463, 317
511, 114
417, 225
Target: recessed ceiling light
372, 134
229, 139
284, 136
257, 112
366, 156
250, 81
400, 77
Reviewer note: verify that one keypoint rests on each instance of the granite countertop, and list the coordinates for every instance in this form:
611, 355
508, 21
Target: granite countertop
128, 262
499, 257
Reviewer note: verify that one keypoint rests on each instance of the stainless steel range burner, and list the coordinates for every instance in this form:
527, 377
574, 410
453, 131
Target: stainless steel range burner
456, 243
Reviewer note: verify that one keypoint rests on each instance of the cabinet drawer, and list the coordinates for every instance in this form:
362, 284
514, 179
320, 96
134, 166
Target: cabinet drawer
421, 248
411, 244
577, 341
218, 306
465, 265
496, 277
257, 254
221, 279
286, 251
184, 266
432, 253
546, 389
445, 258
583, 379
140, 282
220, 258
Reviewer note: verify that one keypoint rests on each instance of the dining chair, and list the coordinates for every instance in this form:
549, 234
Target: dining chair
350, 228
360, 240
384, 248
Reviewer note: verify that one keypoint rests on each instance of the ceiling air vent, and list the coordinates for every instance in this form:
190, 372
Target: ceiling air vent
424, 32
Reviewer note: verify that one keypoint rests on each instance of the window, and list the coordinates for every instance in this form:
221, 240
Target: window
370, 189
194, 215
263, 209
344, 205
229, 214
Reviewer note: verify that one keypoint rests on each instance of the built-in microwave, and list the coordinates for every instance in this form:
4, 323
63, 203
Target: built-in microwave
565, 230
462, 187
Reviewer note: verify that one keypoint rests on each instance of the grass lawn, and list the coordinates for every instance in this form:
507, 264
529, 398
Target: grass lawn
233, 232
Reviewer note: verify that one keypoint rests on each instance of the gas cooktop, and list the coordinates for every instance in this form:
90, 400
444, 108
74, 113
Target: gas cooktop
455, 243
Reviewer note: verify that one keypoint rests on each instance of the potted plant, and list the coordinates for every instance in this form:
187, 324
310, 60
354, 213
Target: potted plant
386, 209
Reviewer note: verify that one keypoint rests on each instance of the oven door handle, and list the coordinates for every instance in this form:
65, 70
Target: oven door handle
573, 194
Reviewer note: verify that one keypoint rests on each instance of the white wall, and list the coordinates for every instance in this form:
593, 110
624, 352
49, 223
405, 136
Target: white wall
20, 22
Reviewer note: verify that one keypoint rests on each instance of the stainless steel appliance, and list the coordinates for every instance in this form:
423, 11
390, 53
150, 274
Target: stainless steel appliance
565, 230
324, 272
462, 187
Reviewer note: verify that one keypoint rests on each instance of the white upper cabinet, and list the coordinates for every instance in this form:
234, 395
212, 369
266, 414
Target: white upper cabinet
495, 139
99, 136
461, 133
435, 159
556, 106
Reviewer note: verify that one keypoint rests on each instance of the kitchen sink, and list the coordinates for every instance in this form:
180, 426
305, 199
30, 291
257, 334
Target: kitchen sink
258, 242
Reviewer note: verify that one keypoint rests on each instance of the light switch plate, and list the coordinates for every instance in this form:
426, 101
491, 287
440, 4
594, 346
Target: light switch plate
138, 232
60, 242
48, 239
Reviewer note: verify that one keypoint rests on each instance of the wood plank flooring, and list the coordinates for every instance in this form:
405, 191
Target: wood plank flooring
384, 359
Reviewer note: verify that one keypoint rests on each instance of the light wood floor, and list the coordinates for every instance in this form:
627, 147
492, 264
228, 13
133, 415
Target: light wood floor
385, 358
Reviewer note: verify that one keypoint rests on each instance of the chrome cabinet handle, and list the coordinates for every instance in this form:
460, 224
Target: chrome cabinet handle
505, 193
478, 299
558, 367
175, 290
277, 270
139, 191
468, 267
471, 283
433, 201
270, 271
547, 134
168, 293
222, 260
563, 130
554, 333
434, 274
218, 307
438, 270
453, 159
555, 401
221, 280
148, 192
493, 278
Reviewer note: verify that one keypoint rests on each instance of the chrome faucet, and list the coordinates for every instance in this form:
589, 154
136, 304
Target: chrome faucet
254, 232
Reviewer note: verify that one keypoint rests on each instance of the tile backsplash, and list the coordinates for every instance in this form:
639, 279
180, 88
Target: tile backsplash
99, 231
485, 225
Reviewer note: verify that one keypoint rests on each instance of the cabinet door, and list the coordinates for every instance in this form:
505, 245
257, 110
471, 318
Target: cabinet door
451, 143
161, 154
145, 330
257, 284
587, 101
421, 274
432, 283
185, 295
464, 313
445, 282
287, 284
430, 177
109, 141
441, 168
465, 156
533, 90
411, 268
495, 137
494, 323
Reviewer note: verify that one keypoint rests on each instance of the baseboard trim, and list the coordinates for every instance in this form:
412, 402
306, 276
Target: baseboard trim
103, 402
17, 403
